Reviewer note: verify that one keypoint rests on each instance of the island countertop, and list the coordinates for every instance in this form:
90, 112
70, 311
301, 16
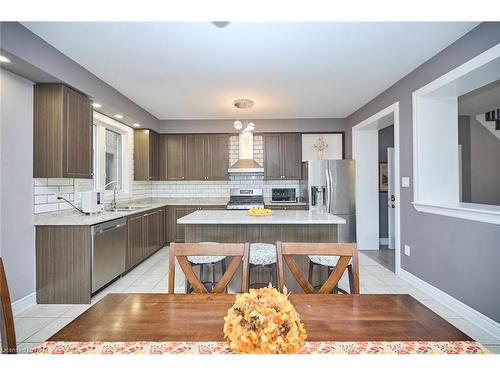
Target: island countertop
242, 217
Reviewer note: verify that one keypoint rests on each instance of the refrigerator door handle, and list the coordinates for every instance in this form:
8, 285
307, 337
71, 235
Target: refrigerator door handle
328, 190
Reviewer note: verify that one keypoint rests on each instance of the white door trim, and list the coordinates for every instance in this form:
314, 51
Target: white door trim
358, 151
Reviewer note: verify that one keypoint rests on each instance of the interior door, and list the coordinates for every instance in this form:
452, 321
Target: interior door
391, 204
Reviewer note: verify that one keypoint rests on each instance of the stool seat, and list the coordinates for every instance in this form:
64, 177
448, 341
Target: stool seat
324, 260
205, 259
262, 254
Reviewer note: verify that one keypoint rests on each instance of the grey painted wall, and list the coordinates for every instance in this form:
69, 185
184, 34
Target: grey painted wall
464, 141
32, 50
385, 139
16, 160
460, 257
484, 165
224, 126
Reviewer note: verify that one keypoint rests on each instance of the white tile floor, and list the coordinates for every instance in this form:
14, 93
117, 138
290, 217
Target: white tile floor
38, 323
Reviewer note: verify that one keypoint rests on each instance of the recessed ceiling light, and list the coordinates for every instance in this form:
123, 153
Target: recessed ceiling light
96, 105
136, 125
4, 59
118, 116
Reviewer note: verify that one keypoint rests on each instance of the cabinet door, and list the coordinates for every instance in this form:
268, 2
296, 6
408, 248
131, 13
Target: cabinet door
175, 154
135, 240
195, 157
152, 230
291, 156
163, 226
179, 229
217, 156
154, 149
77, 133
272, 157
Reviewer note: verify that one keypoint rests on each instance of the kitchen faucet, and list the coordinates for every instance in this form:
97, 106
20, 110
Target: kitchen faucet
113, 202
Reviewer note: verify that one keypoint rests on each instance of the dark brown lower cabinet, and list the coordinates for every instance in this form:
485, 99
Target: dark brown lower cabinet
152, 231
175, 232
135, 239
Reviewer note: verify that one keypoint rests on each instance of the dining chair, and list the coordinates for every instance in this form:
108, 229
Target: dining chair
263, 255
7, 330
237, 253
346, 253
208, 262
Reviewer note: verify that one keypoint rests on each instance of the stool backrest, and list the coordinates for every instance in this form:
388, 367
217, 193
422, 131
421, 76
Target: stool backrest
286, 251
238, 252
7, 330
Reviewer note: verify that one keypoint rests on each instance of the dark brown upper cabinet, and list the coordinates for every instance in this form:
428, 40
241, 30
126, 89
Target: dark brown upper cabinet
194, 157
62, 132
282, 156
172, 157
146, 155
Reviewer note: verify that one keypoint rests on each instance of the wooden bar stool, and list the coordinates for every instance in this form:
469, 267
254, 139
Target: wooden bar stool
344, 254
238, 253
7, 330
263, 255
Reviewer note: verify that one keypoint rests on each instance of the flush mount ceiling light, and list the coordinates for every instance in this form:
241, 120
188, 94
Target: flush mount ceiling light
136, 125
220, 24
96, 105
118, 116
4, 59
243, 103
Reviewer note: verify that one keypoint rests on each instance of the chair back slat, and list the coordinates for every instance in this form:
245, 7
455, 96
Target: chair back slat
239, 254
346, 252
7, 330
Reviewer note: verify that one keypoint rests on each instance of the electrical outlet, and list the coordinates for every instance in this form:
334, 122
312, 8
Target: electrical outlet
405, 181
407, 250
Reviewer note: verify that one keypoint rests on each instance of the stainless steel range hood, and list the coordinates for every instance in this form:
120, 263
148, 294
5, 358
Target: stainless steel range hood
246, 163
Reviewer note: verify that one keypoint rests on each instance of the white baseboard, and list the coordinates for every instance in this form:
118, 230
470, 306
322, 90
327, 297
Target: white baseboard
467, 312
24, 303
383, 241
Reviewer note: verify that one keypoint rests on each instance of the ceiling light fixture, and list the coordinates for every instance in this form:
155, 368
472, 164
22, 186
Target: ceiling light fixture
220, 24
96, 105
136, 125
238, 125
4, 59
118, 116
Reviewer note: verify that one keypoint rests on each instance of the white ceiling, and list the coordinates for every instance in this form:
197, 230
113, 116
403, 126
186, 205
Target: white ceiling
290, 70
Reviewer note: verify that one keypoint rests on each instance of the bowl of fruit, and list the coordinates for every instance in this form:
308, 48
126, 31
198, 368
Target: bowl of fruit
260, 211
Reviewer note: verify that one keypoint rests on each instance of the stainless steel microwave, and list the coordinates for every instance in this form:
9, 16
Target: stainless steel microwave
282, 195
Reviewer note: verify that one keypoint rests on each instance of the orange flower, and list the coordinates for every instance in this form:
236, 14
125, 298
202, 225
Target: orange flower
264, 321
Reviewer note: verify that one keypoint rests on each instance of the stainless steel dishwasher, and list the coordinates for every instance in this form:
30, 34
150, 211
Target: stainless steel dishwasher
109, 250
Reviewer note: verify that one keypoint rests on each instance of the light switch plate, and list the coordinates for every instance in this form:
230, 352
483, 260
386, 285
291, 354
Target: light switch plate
405, 181
407, 250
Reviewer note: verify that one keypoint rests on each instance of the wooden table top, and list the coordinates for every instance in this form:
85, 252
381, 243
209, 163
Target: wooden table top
200, 317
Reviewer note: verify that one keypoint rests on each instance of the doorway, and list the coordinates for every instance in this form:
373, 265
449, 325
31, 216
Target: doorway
370, 199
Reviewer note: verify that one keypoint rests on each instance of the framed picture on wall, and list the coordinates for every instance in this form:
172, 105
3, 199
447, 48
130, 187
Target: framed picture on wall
383, 177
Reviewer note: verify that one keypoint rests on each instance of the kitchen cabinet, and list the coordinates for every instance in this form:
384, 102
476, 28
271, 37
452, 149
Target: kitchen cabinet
282, 156
194, 157
172, 157
135, 240
152, 230
175, 231
62, 132
217, 150
146, 155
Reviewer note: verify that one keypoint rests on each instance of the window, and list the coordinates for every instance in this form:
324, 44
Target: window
443, 170
111, 156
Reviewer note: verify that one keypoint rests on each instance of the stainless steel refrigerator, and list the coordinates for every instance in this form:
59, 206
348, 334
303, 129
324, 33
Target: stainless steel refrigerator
329, 186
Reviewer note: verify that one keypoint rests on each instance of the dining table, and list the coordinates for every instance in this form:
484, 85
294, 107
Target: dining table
138, 322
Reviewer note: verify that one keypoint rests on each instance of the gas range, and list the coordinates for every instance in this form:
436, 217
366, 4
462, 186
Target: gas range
243, 199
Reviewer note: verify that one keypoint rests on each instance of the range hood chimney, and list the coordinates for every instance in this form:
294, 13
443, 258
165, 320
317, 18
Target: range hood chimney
246, 163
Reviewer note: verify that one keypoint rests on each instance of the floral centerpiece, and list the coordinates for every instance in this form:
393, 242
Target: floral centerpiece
264, 321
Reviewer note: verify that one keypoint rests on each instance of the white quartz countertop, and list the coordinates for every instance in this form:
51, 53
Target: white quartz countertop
242, 217
73, 217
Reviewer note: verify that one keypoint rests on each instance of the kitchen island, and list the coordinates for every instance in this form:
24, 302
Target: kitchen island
239, 226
